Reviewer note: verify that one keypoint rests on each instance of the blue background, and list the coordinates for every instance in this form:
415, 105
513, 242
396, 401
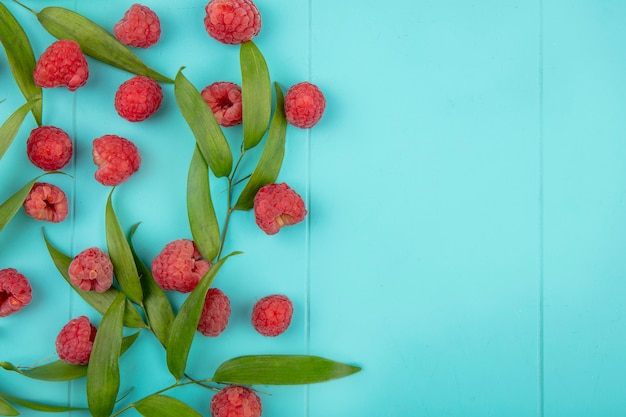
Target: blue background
466, 195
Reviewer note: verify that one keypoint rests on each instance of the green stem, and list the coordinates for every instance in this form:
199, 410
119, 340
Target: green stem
229, 201
26, 7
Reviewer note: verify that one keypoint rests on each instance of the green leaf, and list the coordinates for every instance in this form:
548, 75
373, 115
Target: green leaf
201, 121
99, 301
37, 406
121, 255
157, 306
103, 373
271, 160
6, 409
256, 94
94, 41
21, 60
13, 203
186, 322
12, 125
202, 220
281, 370
164, 406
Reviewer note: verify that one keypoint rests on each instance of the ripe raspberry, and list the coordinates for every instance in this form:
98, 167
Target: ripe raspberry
304, 105
62, 64
140, 27
138, 98
271, 315
46, 202
224, 99
49, 148
91, 270
277, 205
232, 21
215, 313
15, 292
179, 266
236, 401
117, 159
75, 341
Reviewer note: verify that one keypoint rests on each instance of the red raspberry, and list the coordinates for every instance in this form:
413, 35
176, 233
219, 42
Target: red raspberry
91, 270
236, 401
140, 27
271, 315
224, 99
46, 202
179, 266
49, 148
138, 98
15, 292
304, 105
277, 205
215, 313
62, 64
117, 159
232, 21
75, 341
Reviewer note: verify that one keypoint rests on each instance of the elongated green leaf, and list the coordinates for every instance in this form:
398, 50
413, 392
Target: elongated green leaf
202, 220
103, 373
281, 370
6, 409
186, 322
94, 41
157, 306
271, 160
13, 203
164, 406
21, 60
99, 301
256, 94
201, 121
12, 125
37, 406
121, 255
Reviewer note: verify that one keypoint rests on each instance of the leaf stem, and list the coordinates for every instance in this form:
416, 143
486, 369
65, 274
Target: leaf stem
229, 201
26, 7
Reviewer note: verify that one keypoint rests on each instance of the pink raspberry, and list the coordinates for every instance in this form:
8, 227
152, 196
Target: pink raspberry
62, 64
75, 341
179, 266
232, 21
15, 292
91, 270
271, 315
215, 313
117, 159
46, 202
304, 105
236, 401
138, 98
140, 27
277, 205
224, 99
49, 148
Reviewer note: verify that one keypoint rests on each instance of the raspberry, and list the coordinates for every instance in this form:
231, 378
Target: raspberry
46, 202
179, 266
304, 105
62, 64
75, 341
236, 401
91, 270
138, 98
277, 205
232, 21
49, 148
117, 159
215, 313
15, 292
140, 27
271, 315
224, 99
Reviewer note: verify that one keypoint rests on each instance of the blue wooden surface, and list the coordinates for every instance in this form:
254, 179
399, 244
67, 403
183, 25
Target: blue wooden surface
465, 188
